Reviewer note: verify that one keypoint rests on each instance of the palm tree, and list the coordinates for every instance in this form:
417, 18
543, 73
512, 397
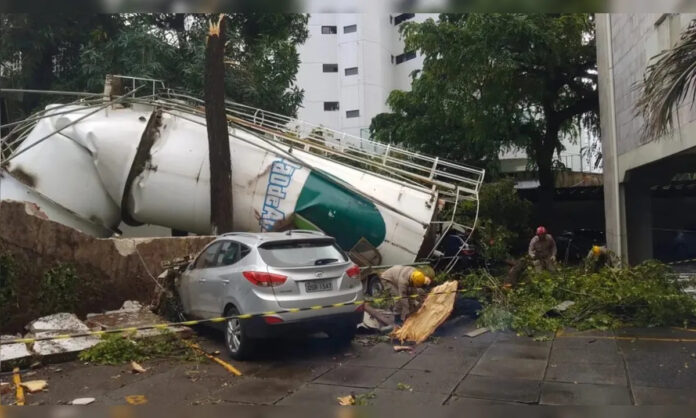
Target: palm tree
667, 83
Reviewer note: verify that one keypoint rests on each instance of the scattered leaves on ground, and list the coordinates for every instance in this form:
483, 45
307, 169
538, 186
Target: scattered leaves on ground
647, 295
120, 349
404, 386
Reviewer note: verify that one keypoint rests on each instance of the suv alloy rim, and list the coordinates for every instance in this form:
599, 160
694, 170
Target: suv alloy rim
233, 334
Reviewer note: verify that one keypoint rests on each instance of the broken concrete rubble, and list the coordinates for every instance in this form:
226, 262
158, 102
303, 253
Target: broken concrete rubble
130, 316
60, 324
13, 353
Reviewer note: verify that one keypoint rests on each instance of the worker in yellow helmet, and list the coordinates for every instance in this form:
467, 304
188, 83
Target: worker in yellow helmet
598, 257
404, 281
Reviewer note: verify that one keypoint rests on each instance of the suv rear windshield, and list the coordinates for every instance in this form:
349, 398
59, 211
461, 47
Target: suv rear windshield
301, 253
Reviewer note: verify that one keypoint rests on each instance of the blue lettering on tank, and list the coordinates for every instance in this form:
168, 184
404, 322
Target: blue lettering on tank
279, 180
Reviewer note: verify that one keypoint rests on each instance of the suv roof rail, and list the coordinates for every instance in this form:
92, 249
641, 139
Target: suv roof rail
246, 234
304, 231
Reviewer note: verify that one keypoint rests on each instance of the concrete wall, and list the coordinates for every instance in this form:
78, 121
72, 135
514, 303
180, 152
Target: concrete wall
626, 43
111, 270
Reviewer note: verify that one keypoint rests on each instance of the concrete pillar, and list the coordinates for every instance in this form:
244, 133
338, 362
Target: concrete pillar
614, 193
639, 223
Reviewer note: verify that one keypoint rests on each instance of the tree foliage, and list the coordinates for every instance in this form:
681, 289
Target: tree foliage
668, 81
495, 81
74, 52
647, 295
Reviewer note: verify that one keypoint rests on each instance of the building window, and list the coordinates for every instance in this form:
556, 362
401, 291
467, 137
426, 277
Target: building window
406, 56
392, 59
352, 113
330, 68
350, 28
351, 71
330, 106
403, 17
329, 30
391, 19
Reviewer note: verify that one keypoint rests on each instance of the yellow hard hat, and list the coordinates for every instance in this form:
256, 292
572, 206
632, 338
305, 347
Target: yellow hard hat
596, 249
419, 279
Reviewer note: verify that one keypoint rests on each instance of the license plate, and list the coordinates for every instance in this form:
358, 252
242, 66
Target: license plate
318, 286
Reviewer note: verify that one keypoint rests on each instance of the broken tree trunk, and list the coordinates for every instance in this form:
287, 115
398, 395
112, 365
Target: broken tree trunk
435, 310
218, 139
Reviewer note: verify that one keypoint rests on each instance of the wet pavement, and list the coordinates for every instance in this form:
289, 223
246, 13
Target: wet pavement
630, 366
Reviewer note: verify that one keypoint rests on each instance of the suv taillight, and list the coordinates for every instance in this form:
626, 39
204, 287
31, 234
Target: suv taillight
263, 279
353, 271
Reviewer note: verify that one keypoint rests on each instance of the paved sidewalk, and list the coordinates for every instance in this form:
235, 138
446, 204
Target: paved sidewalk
591, 368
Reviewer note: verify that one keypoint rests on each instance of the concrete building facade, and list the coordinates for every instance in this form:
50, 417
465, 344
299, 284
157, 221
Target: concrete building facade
349, 65
635, 166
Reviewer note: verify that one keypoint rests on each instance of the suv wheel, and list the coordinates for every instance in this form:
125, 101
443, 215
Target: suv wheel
236, 341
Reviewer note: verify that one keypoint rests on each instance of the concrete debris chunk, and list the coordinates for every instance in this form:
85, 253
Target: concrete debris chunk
13, 352
33, 386
132, 305
82, 401
57, 322
60, 324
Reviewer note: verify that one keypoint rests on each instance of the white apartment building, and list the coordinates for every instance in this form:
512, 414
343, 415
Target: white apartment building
352, 61
349, 65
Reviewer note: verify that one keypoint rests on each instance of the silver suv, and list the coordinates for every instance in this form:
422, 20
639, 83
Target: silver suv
249, 273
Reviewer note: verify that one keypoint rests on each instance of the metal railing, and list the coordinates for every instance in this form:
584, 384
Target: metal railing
424, 170
389, 160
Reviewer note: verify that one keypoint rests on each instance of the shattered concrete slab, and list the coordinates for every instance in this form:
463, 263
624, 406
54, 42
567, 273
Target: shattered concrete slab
57, 322
132, 314
13, 353
60, 324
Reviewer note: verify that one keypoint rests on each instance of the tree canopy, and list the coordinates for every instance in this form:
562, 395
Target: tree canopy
668, 81
75, 52
494, 81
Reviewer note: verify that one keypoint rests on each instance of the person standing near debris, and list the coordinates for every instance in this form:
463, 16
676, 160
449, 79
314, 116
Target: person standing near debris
542, 250
598, 257
403, 281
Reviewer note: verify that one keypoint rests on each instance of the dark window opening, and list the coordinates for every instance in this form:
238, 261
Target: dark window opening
330, 68
329, 30
330, 106
403, 17
350, 28
352, 113
406, 56
351, 71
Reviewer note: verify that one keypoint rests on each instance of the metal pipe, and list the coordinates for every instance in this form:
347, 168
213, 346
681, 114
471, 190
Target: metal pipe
56, 92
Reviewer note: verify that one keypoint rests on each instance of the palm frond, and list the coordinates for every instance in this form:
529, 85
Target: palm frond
666, 84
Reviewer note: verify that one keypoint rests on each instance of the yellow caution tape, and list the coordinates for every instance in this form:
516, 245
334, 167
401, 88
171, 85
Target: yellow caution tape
168, 325
689, 260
